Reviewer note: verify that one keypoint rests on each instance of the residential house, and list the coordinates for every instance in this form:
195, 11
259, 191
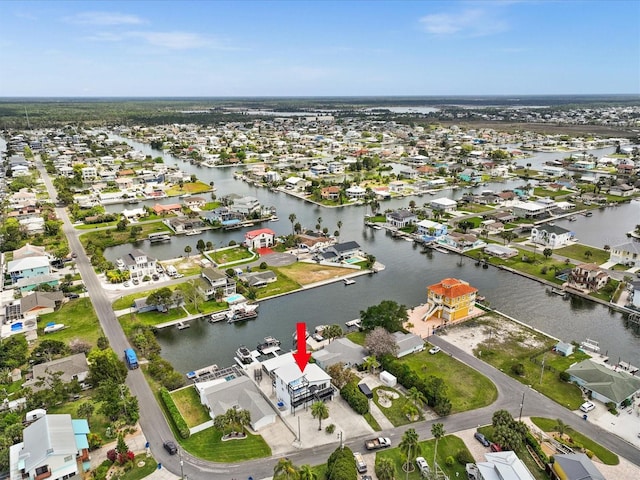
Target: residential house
622, 190
549, 235
588, 277
318, 170
29, 251
635, 295
574, 466
500, 251
450, 299
295, 389
138, 264
503, 466
195, 202
259, 278
430, 230
261, 238
166, 209
603, 383
408, 343
339, 252
26, 284
245, 205
564, 349
183, 224
295, 183
340, 350
313, 241
401, 218
397, 186
89, 174
335, 167
28, 267
213, 280
330, 193
443, 205
71, 368
382, 193
221, 395
627, 254
529, 210
38, 303
355, 192
53, 446
461, 241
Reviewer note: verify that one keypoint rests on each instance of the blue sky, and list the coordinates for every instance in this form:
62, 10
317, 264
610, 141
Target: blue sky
318, 48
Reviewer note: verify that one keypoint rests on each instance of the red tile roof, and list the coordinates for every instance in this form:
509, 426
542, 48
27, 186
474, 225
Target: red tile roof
452, 288
260, 231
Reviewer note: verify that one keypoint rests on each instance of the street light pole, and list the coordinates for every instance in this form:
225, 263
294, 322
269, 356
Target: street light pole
181, 465
340, 437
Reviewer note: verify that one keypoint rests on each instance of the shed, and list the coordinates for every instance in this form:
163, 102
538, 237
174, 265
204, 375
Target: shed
364, 388
564, 349
388, 379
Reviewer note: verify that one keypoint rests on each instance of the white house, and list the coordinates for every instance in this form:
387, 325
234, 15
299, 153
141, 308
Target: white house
443, 205
551, 236
261, 238
528, 209
355, 192
138, 264
53, 446
401, 218
626, 254
503, 465
431, 230
408, 343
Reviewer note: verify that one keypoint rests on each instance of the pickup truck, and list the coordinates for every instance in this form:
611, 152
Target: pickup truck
376, 443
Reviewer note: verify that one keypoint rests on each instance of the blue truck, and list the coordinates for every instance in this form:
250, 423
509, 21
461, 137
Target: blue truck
131, 358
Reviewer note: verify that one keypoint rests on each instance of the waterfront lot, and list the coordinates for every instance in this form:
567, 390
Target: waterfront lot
308, 273
79, 318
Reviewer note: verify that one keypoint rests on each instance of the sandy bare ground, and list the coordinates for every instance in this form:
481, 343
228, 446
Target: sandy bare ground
307, 273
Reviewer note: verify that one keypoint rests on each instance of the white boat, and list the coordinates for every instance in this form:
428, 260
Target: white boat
193, 232
182, 325
53, 327
269, 345
349, 281
353, 323
274, 219
218, 316
589, 344
244, 355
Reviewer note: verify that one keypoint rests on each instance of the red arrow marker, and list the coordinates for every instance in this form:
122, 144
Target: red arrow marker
302, 356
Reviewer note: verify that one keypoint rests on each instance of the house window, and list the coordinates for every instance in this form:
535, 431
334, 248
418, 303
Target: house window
41, 470
68, 458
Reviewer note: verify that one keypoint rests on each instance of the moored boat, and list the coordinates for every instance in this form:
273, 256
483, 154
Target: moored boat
244, 355
269, 345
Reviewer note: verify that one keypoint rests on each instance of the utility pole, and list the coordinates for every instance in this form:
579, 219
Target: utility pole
181, 465
544, 356
521, 405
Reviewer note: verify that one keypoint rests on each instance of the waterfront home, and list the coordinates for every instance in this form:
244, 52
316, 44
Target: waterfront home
401, 218
635, 295
397, 186
382, 193
341, 350
587, 277
221, 395
295, 183
330, 193
340, 252
564, 349
551, 236
603, 383
261, 238
71, 368
355, 192
450, 299
430, 230
194, 202
212, 281
503, 465
627, 254
407, 343
529, 209
52, 445
138, 264
436, 182
622, 190
574, 466
259, 278
461, 241
245, 205
443, 205
183, 224
500, 251
313, 241
159, 209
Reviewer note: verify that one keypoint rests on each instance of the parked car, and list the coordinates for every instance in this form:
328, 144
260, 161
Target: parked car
126, 284
170, 446
481, 438
72, 295
587, 407
135, 281
423, 466
495, 447
155, 276
434, 350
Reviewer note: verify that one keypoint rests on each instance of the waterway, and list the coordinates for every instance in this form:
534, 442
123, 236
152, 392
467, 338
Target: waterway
406, 277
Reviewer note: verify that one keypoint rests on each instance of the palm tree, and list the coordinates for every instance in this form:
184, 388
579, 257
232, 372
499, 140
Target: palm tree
561, 428
340, 226
285, 470
409, 446
370, 363
319, 226
320, 411
292, 219
305, 472
416, 397
385, 469
437, 430
187, 250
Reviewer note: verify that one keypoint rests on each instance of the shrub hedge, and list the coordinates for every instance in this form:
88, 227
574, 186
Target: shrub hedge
174, 413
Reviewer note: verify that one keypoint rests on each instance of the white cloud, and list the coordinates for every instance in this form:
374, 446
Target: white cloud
175, 40
470, 22
104, 18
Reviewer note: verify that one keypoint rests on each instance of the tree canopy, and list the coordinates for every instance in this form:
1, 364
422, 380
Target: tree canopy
387, 314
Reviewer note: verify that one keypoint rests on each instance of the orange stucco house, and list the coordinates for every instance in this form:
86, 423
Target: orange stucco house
450, 300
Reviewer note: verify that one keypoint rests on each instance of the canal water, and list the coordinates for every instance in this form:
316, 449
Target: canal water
408, 273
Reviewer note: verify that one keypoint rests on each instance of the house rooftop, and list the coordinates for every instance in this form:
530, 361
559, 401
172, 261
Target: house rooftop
614, 385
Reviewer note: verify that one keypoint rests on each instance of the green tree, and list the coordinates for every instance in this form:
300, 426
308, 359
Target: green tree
437, 430
285, 470
187, 250
320, 411
388, 314
85, 410
106, 365
292, 219
416, 397
305, 472
410, 447
561, 428
385, 469
547, 252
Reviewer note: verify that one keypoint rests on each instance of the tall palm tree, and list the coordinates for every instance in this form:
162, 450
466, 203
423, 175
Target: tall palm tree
385, 469
409, 446
416, 397
305, 472
437, 430
292, 219
320, 411
285, 470
340, 227
561, 428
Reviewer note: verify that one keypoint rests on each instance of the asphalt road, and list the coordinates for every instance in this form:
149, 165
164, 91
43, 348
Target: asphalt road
156, 430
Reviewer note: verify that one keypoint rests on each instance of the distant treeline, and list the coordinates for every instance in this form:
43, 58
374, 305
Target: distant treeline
20, 113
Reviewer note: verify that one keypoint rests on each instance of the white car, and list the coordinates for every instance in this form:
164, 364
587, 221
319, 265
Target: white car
434, 350
587, 407
423, 466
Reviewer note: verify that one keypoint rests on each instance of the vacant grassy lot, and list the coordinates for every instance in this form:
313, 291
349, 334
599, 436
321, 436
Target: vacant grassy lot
577, 252
208, 445
80, 318
231, 255
535, 267
150, 319
112, 237
466, 388
283, 284
449, 445
188, 402
307, 273
509, 349
607, 457
188, 187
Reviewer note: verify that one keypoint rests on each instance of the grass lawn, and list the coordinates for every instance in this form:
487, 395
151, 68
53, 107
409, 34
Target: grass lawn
577, 252
357, 337
606, 456
137, 473
80, 318
209, 446
543, 192
304, 273
394, 411
283, 284
98, 423
188, 403
373, 423
188, 187
449, 445
476, 208
209, 306
466, 388
231, 255
534, 268
507, 349
150, 318
91, 226
112, 237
